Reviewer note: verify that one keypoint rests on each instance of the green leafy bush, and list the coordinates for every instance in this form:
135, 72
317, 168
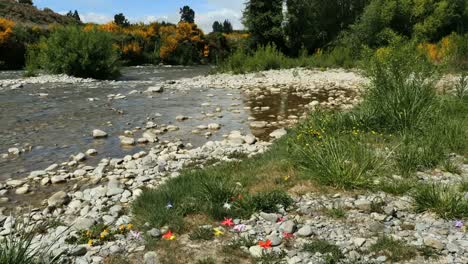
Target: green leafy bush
72, 51
402, 94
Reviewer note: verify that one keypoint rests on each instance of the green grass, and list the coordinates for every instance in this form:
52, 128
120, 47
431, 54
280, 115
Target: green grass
396, 187
202, 233
446, 201
394, 250
17, 247
333, 252
208, 190
337, 212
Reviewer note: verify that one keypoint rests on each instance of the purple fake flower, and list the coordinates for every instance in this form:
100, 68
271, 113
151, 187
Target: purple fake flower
458, 224
135, 235
239, 228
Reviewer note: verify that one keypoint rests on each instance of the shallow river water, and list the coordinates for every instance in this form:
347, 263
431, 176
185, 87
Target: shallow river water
54, 121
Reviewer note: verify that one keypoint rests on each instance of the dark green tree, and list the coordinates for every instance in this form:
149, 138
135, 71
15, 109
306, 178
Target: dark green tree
28, 2
120, 20
314, 24
187, 14
227, 26
263, 19
217, 27
76, 16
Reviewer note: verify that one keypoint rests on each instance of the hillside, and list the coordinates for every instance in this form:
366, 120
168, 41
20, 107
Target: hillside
27, 14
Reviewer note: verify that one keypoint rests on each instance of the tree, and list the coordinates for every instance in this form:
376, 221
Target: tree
217, 27
76, 16
264, 19
120, 20
227, 27
27, 2
187, 14
313, 24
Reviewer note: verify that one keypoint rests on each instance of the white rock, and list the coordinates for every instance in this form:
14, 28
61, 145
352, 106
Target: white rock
214, 126
258, 124
91, 152
22, 190
99, 133
127, 141
15, 183
279, 133
14, 151
155, 89
58, 199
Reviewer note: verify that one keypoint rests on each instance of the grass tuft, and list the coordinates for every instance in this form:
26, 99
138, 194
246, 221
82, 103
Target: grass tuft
394, 250
333, 252
446, 201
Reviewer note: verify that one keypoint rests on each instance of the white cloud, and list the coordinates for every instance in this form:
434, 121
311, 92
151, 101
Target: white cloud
96, 18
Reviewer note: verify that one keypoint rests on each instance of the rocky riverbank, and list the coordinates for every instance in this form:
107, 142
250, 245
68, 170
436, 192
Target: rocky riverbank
354, 222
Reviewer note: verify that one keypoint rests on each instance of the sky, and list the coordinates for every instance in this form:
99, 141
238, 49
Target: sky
103, 11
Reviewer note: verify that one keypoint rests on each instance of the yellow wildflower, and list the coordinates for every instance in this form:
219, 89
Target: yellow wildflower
104, 233
90, 242
129, 226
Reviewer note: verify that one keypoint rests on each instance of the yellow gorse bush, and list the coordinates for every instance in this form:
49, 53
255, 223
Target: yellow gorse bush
6, 29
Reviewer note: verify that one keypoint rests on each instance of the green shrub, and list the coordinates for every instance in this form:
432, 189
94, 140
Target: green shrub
394, 250
333, 252
264, 58
446, 201
341, 162
401, 95
72, 51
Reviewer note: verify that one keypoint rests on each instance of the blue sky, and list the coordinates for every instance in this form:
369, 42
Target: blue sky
101, 11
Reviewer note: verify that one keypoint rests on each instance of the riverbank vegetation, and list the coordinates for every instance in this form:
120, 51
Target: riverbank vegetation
402, 126
343, 33
134, 43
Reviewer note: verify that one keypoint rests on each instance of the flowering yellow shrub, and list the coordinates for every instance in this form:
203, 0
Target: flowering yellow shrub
89, 27
6, 29
132, 48
437, 52
110, 27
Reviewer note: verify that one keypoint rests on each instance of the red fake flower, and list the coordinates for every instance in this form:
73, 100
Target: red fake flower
227, 222
266, 244
168, 236
287, 235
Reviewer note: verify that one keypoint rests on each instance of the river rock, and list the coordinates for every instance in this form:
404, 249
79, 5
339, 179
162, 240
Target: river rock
14, 151
22, 190
172, 128
79, 157
52, 167
258, 124
128, 141
91, 152
150, 136
155, 89
279, 133
99, 133
58, 179
181, 118
39, 173
83, 223
58, 199
250, 139
15, 183
214, 126
305, 231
